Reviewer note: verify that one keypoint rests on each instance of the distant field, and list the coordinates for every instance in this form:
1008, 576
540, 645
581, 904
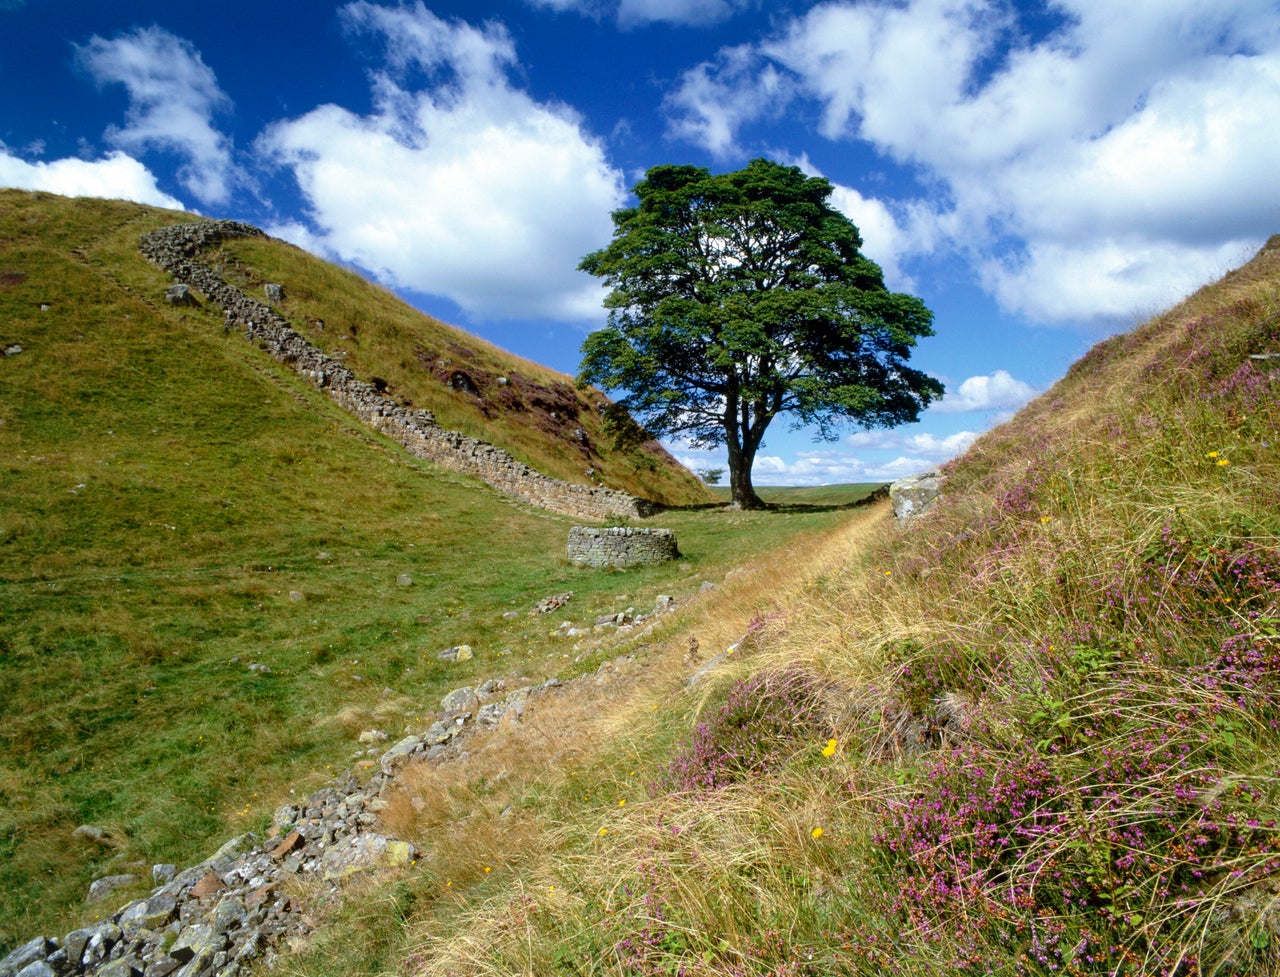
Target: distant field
817, 495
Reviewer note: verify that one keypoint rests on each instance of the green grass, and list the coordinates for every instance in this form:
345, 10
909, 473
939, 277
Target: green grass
165, 491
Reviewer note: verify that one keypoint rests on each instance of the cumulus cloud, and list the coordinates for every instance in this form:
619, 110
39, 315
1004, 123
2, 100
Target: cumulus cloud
925, 445
997, 392
116, 176
464, 187
173, 97
832, 468
1131, 141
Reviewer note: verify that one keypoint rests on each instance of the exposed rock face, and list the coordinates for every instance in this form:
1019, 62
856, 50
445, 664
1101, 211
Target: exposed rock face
621, 547
176, 248
915, 493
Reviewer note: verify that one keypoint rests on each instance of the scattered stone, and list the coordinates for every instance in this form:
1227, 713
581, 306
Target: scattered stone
163, 873
295, 595
371, 736
458, 653
511, 616
40, 969
100, 889
324, 555
12, 350
706, 585
549, 604
404, 580
664, 603
274, 292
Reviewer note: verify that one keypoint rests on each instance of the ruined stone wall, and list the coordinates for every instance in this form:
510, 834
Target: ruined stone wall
176, 249
621, 547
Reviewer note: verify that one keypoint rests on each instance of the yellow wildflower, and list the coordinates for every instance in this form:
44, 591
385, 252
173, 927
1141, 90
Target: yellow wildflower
1223, 461
602, 832
1212, 454
816, 833
622, 802
830, 748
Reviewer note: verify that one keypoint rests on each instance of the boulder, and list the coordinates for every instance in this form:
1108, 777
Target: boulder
462, 701
180, 294
914, 494
458, 653
273, 291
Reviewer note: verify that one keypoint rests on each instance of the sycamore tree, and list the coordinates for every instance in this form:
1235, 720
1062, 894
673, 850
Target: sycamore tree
741, 296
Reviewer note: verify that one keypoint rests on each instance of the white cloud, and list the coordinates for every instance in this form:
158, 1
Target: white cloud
715, 99
996, 392
467, 188
831, 468
925, 445
173, 96
116, 176
1135, 143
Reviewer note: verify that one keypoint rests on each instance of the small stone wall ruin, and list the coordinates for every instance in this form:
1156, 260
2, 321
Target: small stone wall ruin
620, 547
176, 249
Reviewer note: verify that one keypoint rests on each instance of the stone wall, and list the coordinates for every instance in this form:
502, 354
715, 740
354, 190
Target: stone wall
621, 547
176, 250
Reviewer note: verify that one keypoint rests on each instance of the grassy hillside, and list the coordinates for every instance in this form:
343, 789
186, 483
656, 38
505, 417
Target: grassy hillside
534, 413
1036, 732
176, 507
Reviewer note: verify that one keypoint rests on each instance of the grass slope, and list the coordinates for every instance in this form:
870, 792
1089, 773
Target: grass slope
536, 414
1034, 733
175, 507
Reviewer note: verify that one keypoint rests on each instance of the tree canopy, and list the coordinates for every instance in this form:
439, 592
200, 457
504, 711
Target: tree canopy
741, 296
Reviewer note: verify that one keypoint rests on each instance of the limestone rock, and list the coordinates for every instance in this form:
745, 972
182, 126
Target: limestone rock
273, 291
12, 350
460, 701
914, 494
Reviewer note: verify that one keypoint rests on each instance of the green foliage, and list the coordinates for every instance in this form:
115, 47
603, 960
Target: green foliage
742, 296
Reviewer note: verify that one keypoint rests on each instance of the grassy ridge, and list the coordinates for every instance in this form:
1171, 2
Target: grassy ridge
175, 507
1035, 733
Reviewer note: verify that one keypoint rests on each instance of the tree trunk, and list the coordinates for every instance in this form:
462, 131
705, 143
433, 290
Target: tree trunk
742, 493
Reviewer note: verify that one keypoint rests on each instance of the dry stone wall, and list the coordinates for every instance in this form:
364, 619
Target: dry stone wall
176, 249
620, 547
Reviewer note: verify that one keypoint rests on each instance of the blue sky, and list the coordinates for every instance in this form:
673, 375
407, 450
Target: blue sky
1041, 174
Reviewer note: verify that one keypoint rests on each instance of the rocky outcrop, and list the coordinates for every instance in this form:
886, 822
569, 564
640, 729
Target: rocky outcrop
621, 546
176, 249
